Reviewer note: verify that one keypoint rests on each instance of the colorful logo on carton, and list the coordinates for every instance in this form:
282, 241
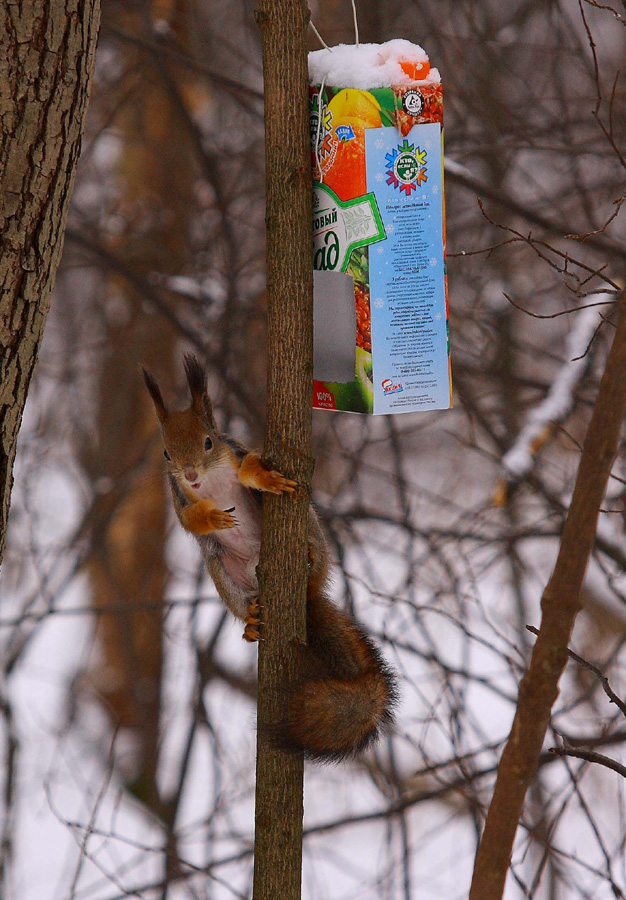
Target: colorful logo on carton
345, 133
390, 387
406, 167
413, 103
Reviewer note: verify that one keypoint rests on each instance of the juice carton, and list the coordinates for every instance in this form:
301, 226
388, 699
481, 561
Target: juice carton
376, 118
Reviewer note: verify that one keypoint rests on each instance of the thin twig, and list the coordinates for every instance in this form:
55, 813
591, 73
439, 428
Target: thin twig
604, 681
590, 756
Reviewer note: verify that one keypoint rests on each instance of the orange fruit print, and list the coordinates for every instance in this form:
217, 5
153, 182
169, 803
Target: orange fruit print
347, 176
352, 112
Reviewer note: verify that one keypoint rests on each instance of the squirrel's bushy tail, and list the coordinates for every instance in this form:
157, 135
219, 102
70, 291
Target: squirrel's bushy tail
348, 694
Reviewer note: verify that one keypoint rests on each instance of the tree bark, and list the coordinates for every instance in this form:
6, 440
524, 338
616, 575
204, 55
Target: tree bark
283, 565
48, 52
560, 604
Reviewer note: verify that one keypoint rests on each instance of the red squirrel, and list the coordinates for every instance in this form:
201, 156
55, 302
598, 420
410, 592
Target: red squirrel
348, 694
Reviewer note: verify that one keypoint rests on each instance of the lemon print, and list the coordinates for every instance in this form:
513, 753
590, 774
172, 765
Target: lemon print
355, 107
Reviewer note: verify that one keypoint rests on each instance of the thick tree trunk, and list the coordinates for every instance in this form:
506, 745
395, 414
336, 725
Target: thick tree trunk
560, 604
283, 565
46, 63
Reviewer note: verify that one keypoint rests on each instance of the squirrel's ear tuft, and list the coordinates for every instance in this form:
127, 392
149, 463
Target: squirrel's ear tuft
196, 376
155, 393
196, 379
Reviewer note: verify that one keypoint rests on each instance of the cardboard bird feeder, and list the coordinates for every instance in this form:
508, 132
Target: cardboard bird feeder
381, 342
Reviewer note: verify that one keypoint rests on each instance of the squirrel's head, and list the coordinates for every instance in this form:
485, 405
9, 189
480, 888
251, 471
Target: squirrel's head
191, 440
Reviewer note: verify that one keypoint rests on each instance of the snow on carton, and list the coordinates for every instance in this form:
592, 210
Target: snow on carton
376, 121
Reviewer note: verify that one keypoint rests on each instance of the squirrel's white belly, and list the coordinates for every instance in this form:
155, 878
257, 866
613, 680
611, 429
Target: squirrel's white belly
242, 543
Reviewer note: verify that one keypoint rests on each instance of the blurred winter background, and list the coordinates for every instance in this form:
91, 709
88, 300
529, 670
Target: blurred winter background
126, 693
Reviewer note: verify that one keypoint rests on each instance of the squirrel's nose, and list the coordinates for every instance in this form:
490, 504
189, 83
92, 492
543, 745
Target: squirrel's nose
190, 474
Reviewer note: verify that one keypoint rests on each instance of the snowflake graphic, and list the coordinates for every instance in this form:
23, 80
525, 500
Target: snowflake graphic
438, 316
435, 188
379, 303
390, 228
406, 167
380, 249
321, 131
432, 261
379, 176
380, 144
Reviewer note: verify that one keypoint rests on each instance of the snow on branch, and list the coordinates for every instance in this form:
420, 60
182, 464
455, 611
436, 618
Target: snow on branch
559, 401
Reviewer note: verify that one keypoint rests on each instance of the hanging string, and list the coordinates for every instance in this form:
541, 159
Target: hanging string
319, 95
397, 115
317, 133
319, 37
356, 25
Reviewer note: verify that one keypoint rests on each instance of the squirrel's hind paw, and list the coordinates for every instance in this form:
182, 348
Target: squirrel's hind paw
251, 632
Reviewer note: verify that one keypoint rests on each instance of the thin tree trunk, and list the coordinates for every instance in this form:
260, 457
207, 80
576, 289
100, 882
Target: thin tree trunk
46, 63
560, 604
283, 564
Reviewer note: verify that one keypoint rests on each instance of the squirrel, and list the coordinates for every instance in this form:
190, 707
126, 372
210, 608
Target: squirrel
348, 694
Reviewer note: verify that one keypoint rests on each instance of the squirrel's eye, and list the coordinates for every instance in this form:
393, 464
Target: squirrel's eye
208, 443
167, 456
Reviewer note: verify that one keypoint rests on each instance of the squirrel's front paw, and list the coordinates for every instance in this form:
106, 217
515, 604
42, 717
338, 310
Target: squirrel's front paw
276, 483
204, 517
251, 632
221, 518
253, 474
